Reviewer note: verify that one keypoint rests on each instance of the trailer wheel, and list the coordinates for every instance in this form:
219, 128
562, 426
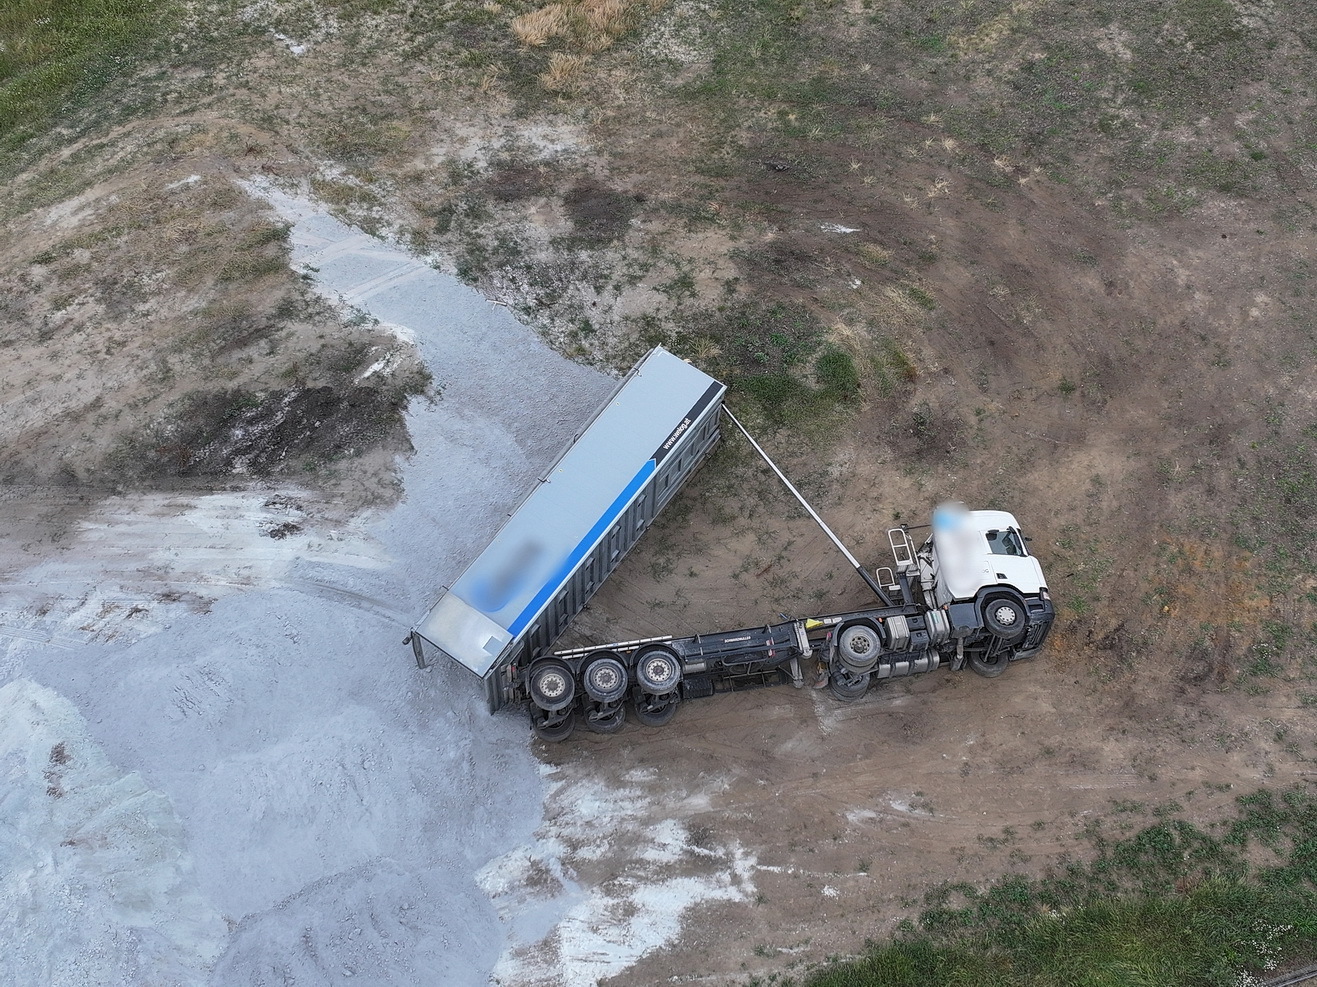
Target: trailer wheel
655, 716
658, 671
606, 721
858, 647
988, 665
1005, 618
552, 729
551, 685
847, 686
605, 679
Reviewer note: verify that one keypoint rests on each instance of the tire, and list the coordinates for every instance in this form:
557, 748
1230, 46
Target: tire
612, 721
847, 686
605, 678
658, 671
551, 685
858, 647
655, 716
555, 732
1005, 619
988, 667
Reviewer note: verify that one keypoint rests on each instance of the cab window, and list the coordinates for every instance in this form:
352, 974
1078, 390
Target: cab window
1006, 542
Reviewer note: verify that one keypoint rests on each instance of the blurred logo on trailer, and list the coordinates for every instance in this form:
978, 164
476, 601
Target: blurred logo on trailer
511, 573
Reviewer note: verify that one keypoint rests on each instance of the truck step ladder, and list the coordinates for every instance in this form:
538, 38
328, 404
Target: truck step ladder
903, 549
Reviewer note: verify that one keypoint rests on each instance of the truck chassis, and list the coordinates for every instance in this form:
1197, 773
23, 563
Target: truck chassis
907, 635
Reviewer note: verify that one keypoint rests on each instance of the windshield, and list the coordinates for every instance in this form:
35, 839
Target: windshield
1006, 542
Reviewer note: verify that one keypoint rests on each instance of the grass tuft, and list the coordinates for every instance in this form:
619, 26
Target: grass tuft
564, 72
539, 26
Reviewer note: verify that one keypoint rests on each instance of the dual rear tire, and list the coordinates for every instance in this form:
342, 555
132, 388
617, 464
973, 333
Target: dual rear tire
606, 720
605, 680
552, 727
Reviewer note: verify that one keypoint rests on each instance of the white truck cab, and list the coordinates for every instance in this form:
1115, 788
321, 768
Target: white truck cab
969, 551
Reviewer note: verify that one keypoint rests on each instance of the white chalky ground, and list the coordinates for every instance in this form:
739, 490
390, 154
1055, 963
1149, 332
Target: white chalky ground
219, 762
220, 765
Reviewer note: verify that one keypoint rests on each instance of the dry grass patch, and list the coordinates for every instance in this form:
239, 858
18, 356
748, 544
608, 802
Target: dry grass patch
992, 33
584, 27
539, 26
564, 71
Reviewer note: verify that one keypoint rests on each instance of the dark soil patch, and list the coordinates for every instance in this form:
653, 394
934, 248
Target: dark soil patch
600, 214
517, 183
214, 433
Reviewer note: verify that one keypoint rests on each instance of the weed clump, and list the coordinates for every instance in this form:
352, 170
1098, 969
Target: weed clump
786, 399
835, 370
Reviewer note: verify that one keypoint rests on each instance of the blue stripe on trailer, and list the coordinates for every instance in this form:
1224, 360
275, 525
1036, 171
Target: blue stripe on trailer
582, 547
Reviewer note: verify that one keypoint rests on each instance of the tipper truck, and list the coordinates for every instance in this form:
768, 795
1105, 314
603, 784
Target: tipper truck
969, 594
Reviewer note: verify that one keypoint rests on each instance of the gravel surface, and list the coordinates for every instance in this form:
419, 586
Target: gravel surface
219, 760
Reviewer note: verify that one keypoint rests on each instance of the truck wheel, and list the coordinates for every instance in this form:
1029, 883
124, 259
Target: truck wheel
655, 716
551, 730
606, 721
658, 671
551, 685
605, 679
859, 646
989, 666
1005, 619
848, 687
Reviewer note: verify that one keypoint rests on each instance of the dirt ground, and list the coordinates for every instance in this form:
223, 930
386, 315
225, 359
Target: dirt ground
853, 812
1124, 362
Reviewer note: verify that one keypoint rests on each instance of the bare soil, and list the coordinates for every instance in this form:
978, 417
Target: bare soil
1082, 335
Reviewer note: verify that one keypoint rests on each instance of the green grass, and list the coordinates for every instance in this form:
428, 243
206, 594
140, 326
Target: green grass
835, 370
58, 52
892, 368
770, 353
1172, 905
787, 399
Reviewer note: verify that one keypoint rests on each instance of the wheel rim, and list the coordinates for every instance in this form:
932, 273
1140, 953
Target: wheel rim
552, 686
605, 680
858, 643
658, 672
858, 649
1005, 619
